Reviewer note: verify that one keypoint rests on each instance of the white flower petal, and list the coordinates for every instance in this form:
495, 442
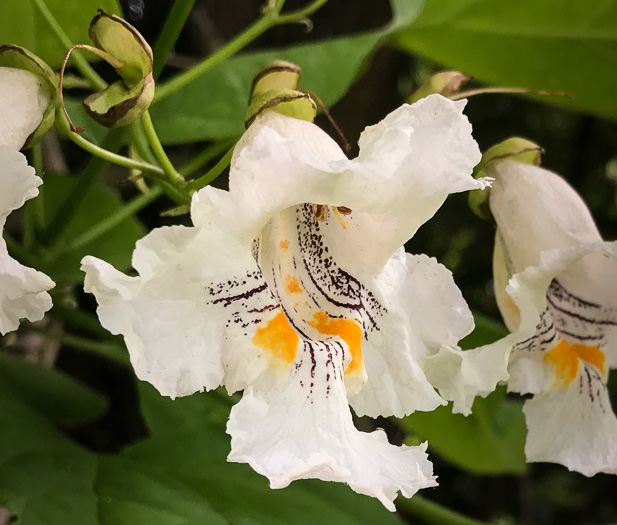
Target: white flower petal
186, 324
395, 185
299, 426
535, 211
422, 310
22, 104
575, 427
23, 291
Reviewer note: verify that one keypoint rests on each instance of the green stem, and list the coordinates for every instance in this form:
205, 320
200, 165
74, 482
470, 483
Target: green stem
300, 14
176, 19
96, 82
33, 211
108, 349
213, 173
114, 220
268, 20
140, 141
102, 153
54, 236
434, 513
171, 175
205, 156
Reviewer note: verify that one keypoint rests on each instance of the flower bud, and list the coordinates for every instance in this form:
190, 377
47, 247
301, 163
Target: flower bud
123, 47
275, 89
28, 95
446, 83
514, 148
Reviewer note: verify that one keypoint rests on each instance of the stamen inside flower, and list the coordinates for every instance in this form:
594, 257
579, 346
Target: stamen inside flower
565, 359
339, 219
320, 211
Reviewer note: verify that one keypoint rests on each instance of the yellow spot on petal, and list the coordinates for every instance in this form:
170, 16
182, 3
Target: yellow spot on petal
278, 338
348, 330
565, 359
292, 285
284, 245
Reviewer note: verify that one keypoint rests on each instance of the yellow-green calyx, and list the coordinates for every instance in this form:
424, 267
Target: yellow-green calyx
19, 58
123, 47
446, 83
514, 148
275, 88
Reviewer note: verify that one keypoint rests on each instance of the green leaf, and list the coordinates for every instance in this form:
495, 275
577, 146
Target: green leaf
48, 391
489, 441
213, 106
533, 44
178, 476
189, 441
22, 24
99, 203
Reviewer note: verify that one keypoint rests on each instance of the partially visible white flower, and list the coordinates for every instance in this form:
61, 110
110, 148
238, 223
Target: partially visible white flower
550, 258
23, 101
23, 291
293, 286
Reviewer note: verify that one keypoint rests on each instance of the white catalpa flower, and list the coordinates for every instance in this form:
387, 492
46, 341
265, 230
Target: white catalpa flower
23, 291
563, 279
293, 286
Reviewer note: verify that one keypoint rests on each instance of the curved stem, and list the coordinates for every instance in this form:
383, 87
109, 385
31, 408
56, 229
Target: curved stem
172, 176
169, 34
270, 18
213, 173
205, 156
114, 220
300, 14
97, 151
96, 82
432, 512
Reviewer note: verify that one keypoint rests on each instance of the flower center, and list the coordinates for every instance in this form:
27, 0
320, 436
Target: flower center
565, 360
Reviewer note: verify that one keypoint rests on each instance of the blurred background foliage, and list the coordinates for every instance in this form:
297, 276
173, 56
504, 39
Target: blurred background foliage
84, 443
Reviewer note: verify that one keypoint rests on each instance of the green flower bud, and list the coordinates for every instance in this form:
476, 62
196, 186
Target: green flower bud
446, 83
123, 47
514, 148
275, 89
44, 97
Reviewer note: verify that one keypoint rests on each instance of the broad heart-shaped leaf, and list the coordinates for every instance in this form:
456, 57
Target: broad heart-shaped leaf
491, 439
99, 203
22, 24
537, 44
49, 391
213, 105
178, 476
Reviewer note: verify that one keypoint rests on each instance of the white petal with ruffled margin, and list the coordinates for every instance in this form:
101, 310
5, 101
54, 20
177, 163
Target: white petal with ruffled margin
422, 309
23, 291
22, 103
575, 427
298, 426
418, 154
180, 315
